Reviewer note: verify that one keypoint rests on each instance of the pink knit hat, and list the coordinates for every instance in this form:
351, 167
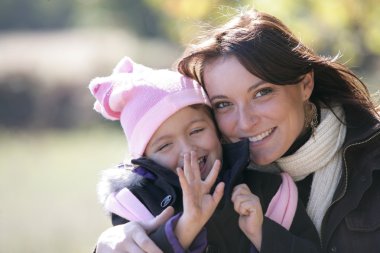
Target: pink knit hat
142, 99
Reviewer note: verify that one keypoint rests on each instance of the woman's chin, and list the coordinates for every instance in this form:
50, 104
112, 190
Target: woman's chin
261, 159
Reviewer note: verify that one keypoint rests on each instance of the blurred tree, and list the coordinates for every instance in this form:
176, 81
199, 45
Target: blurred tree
348, 26
183, 19
36, 14
131, 15
351, 27
55, 14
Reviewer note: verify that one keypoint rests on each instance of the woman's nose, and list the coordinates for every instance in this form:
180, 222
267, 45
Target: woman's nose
247, 118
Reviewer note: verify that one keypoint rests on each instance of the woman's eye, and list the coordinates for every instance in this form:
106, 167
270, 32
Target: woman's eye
263, 92
221, 105
197, 130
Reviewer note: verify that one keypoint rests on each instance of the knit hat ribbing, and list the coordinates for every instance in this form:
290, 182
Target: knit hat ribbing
142, 99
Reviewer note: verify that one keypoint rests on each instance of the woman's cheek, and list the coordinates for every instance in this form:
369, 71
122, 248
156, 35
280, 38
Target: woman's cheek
226, 127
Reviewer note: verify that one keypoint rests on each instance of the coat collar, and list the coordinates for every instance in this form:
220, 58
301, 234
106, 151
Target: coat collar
235, 160
157, 170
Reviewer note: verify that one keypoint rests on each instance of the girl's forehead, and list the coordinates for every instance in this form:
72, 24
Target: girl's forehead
184, 118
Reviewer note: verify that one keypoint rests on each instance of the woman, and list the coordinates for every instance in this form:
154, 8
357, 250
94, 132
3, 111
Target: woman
309, 114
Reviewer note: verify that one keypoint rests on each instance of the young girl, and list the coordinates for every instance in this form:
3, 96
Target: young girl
167, 120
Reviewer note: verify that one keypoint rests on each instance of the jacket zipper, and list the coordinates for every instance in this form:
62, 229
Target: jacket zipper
346, 178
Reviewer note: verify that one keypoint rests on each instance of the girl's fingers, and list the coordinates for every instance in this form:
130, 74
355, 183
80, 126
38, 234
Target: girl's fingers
241, 189
238, 206
187, 167
218, 193
212, 176
246, 204
195, 166
247, 207
238, 200
182, 180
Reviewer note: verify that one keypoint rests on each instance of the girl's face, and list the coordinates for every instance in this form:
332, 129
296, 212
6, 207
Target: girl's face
270, 116
187, 130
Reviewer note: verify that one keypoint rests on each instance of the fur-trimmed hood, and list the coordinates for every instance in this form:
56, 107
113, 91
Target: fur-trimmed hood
113, 180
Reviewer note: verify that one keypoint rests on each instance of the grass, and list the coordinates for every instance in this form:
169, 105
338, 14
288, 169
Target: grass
48, 188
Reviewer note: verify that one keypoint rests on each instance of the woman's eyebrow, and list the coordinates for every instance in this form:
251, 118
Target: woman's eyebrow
252, 87
217, 97
255, 85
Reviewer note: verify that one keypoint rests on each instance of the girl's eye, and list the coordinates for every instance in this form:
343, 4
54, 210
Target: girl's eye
263, 92
221, 105
163, 147
197, 130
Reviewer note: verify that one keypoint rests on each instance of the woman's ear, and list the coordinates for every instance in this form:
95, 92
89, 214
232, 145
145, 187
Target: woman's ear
307, 85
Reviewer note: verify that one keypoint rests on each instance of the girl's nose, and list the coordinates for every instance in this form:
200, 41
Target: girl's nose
186, 147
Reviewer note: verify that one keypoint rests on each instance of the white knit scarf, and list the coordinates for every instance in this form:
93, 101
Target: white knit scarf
321, 154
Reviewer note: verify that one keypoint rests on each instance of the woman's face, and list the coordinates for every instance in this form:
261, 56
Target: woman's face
270, 116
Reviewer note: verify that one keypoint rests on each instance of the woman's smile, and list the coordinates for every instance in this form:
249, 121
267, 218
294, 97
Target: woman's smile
261, 136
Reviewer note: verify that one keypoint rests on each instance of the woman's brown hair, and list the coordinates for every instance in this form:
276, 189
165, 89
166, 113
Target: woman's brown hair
269, 50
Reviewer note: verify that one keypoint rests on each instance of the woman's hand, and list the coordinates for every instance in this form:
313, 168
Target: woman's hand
132, 237
248, 206
198, 203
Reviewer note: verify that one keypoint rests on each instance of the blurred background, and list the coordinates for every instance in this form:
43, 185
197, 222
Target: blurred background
53, 145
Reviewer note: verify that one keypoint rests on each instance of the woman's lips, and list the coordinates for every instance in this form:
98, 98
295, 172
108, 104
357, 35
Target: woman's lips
261, 136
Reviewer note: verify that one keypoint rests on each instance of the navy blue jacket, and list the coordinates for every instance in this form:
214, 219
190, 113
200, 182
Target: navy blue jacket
159, 187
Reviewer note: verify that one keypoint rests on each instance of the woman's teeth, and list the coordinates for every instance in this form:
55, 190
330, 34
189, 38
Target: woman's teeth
261, 136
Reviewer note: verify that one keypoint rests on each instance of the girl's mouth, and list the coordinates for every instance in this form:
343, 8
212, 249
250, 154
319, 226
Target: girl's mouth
202, 164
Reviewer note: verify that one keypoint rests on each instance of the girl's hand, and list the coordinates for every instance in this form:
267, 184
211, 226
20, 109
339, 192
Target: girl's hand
198, 203
132, 237
248, 206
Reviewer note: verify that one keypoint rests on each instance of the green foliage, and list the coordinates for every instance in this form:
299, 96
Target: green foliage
347, 26
36, 14
128, 14
184, 19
